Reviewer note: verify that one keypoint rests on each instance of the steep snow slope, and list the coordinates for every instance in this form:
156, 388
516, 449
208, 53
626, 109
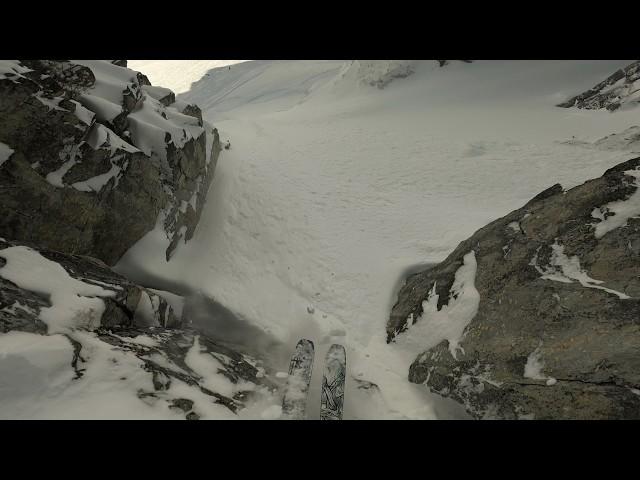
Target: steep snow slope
334, 189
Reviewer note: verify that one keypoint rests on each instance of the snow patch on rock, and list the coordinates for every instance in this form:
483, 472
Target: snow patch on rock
5, 152
534, 366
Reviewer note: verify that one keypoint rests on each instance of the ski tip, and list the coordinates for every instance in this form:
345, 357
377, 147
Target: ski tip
337, 351
303, 342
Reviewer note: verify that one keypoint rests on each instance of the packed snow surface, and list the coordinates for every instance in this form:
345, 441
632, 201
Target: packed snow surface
333, 189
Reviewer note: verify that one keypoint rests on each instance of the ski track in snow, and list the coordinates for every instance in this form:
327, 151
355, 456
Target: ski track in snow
332, 190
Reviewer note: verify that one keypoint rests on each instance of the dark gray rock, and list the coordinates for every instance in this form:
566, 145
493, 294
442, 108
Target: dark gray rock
587, 339
621, 88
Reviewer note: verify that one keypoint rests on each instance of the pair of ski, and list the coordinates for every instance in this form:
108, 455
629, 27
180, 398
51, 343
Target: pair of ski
294, 402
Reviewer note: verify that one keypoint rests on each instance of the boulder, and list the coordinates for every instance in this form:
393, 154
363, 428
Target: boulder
537, 315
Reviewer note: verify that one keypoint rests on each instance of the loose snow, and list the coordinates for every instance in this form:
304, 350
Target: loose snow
515, 226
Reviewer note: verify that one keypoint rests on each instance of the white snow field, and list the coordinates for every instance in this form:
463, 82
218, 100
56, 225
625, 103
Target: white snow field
334, 189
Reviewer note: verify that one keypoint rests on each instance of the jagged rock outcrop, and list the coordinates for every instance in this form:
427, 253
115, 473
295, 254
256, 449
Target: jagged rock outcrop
98, 158
537, 315
442, 63
107, 322
620, 89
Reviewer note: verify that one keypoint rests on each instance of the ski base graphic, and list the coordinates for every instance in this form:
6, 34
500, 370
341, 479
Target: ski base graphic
332, 400
294, 403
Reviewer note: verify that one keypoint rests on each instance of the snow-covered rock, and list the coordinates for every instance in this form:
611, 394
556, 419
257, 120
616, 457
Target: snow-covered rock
622, 89
99, 157
380, 73
45, 291
545, 324
100, 346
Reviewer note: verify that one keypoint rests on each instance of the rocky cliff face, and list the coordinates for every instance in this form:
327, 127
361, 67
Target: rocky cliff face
113, 334
96, 157
622, 89
537, 315
92, 157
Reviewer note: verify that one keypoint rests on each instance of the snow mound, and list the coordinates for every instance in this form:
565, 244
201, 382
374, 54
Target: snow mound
377, 73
